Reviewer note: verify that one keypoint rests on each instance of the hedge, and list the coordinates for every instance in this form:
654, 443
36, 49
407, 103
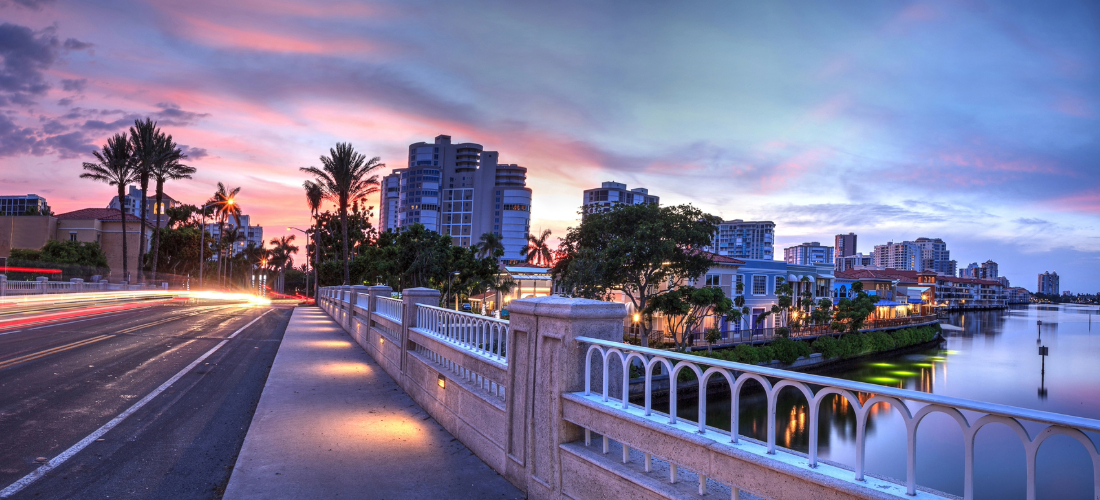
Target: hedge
846, 346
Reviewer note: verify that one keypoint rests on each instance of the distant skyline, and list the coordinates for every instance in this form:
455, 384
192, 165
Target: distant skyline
975, 122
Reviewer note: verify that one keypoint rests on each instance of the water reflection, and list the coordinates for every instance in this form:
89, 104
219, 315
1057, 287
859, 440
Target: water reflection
992, 358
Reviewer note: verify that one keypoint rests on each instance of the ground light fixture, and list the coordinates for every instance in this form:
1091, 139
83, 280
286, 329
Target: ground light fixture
442, 381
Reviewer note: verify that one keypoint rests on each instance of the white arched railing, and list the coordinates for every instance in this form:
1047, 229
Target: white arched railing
913, 406
480, 335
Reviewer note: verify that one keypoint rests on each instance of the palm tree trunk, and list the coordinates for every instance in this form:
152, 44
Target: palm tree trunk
121, 199
344, 223
141, 238
316, 260
156, 236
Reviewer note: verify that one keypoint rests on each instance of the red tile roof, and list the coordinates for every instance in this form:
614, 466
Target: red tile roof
721, 259
103, 214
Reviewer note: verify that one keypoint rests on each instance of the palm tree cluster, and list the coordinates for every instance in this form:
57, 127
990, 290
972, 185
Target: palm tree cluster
145, 154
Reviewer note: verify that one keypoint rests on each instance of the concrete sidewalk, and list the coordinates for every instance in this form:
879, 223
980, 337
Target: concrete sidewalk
332, 424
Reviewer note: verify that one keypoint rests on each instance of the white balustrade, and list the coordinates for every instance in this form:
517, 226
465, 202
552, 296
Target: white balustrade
481, 335
913, 406
391, 308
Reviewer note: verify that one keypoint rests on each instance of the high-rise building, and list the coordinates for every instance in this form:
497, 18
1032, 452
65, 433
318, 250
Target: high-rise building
745, 239
935, 256
1048, 283
23, 204
388, 208
134, 203
808, 254
609, 194
904, 256
844, 246
972, 271
858, 261
988, 270
462, 191
247, 232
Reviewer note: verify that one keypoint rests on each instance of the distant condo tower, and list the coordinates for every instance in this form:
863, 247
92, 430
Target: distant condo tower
808, 254
459, 190
745, 239
610, 194
845, 246
1048, 283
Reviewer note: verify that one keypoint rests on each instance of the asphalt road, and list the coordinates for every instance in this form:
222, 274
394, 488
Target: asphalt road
61, 382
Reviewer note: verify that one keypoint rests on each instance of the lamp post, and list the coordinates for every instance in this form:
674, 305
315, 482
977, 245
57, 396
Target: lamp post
202, 241
311, 268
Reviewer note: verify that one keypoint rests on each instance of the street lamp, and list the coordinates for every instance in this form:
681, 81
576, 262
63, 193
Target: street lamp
202, 240
288, 228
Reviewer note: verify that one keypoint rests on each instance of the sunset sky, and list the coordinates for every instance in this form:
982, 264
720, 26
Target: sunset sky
971, 121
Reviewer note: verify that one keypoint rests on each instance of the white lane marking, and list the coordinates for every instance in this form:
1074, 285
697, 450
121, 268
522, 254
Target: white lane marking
5, 333
76, 448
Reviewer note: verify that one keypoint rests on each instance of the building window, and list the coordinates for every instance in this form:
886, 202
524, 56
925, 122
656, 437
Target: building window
711, 280
759, 285
72, 236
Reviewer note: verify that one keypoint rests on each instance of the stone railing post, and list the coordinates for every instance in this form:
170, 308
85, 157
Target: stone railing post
545, 362
373, 292
411, 297
43, 283
358, 298
78, 285
103, 285
3, 285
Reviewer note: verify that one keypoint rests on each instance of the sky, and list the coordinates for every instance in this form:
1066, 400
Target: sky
971, 121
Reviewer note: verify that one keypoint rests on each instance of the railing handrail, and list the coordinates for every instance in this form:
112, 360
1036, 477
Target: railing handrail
472, 315
1081, 423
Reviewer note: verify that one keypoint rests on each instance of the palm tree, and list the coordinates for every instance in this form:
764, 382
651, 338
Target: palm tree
114, 165
537, 251
314, 195
488, 245
343, 176
230, 238
225, 205
143, 136
255, 255
167, 167
281, 259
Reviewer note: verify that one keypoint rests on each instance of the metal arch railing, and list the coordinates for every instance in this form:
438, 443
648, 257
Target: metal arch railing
816, 388
390, 308
481, 335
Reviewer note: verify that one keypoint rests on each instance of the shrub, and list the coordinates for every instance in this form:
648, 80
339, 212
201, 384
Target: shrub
745, 353
765, 354
787, 350
827, 346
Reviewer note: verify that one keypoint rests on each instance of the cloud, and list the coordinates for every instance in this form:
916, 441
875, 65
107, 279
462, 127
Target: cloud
70, 85
74, 44
851, 215
171, 114
70, 145
30, 4
194, 153
26, 55
1031, 222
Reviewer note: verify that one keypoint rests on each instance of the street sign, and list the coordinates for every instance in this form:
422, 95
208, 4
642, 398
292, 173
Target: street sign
1044, 350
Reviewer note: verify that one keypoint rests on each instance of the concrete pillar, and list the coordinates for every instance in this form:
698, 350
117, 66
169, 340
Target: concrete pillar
3, 285
544, 362
355, 297
412, 297
373, 292
41, 284
103, 285
78, 284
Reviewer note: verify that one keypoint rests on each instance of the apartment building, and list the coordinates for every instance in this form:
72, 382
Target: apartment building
610, 194
844, 245
905, 256
1048, 283
388, 208
745, 240
462, 191
808, 254
857, 261
935, 256
989, 270
249, 233
134, 204
23, 204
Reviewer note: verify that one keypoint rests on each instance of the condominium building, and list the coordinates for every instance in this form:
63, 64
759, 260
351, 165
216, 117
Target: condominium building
808, 254
904, 256
388, 208
248, 233
610, 194
1048, 283
745, 239
989, 270
462, 191
134, 204
935, 256
857, 261
972, 271
23, 205
844, 246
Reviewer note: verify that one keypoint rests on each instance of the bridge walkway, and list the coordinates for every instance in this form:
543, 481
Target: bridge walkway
332, 424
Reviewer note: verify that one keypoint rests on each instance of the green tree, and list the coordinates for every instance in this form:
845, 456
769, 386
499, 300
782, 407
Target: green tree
87, 254
851, 314
281, 258
636, 250
490, 244
685, 307
115, 166
166, 167
224, 203
179, 252
344, 177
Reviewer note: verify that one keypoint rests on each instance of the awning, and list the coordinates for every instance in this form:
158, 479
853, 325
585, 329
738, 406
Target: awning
887, 303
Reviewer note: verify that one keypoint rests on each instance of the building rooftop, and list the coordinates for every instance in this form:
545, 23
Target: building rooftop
103, 214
